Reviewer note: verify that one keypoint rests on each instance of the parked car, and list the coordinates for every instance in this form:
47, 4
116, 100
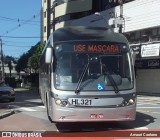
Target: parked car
6, 92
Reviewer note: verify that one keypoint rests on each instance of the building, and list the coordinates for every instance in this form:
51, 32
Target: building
142, 29
45, 19
141, 25
59, 13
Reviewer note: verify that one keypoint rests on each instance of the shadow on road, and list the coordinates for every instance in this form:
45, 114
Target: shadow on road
142, 120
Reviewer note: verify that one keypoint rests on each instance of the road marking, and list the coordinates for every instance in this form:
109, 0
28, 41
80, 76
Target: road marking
148, 111
155, 112
148, 107
27, 109
42, 106
141, 128
63, 130
147, 104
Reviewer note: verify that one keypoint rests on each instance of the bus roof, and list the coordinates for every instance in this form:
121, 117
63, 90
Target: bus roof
87, 33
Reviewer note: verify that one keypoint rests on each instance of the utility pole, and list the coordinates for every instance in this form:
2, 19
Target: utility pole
117, 21
2, 64
121, 15
106, 21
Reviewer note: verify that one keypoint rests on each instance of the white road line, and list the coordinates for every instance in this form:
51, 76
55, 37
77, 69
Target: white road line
155, 112
150, 111
41, 106
147, 104
148, 100
64, 130
141, 128
27, 109
148, 107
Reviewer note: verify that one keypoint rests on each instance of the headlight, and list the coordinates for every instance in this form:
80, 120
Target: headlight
131, 101
58, 101
61, 102
127, 102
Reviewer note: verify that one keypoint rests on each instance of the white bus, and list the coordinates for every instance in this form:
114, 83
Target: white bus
87, 75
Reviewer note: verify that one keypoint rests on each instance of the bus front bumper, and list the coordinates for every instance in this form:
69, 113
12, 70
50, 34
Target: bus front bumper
82, 114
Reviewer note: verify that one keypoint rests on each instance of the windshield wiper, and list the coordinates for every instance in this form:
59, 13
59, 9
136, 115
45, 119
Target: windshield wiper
113, 83
81, 78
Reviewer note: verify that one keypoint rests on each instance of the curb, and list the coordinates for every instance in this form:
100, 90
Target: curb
21, 89
6, 114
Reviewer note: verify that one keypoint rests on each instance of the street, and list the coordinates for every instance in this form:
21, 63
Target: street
30, 115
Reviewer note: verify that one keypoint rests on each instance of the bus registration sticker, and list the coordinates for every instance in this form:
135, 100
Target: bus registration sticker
96, 116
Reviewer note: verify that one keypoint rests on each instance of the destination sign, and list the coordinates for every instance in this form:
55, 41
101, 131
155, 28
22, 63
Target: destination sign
91, 47
95, 48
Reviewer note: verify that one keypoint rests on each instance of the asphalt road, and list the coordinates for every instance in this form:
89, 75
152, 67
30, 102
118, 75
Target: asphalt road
29, 114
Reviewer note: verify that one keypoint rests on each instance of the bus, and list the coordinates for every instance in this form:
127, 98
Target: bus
87, 75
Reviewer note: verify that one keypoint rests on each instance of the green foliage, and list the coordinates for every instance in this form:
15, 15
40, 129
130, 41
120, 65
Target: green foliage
7, 58
33, 61
21, 64
30, 60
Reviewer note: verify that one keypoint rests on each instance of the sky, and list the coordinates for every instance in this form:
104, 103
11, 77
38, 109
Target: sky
19, 25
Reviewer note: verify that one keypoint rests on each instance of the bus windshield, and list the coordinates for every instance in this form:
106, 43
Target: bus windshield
93, 65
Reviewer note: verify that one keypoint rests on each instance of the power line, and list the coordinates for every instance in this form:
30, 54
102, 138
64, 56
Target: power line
20, 36
17, 42
17, 46
21, 24
15, 19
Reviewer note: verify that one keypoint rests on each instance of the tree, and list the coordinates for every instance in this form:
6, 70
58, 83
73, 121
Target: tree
30, 60
10, 67
22, 63
7, 58
33, 61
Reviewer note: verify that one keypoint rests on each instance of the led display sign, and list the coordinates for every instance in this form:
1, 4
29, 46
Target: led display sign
91, 47
113, 48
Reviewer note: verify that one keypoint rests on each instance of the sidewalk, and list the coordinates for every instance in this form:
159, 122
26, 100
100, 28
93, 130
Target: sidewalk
5, 112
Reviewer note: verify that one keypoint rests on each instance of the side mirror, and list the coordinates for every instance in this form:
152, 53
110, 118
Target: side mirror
49, 55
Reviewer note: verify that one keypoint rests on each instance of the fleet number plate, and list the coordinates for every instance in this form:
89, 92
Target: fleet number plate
80, 101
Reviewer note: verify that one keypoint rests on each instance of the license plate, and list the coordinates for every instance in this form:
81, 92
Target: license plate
80, 101
96, 116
